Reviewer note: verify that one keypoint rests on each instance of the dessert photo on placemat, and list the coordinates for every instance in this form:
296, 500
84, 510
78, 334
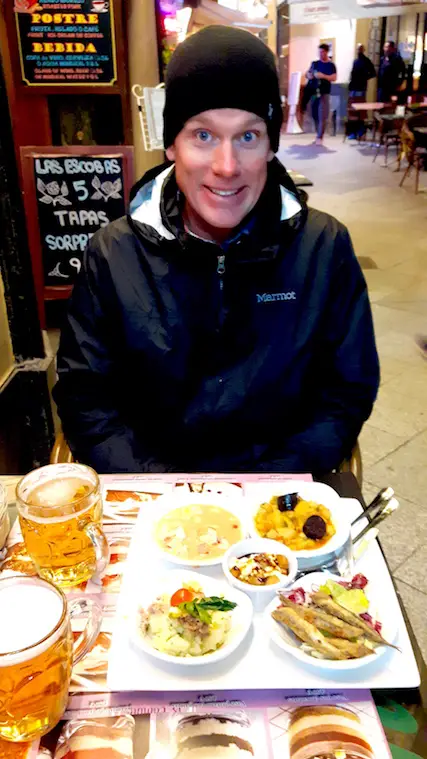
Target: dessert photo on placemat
94, 738
123, 505
90, 674
210, 735
328, 731
210, 487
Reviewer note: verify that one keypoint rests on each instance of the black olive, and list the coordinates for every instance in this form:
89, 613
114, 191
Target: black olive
287, 502
315, 528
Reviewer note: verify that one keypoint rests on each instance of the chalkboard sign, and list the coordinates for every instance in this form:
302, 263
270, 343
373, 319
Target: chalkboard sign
75, 197
66, 43
69, 193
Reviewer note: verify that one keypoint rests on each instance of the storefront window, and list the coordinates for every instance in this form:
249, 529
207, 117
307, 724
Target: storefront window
407, 37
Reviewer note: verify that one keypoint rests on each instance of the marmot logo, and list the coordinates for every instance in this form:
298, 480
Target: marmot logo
268, 297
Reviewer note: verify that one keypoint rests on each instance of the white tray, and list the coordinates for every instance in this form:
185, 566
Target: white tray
258, 663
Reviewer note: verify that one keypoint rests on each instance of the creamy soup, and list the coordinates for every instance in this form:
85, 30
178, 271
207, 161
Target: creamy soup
198, 532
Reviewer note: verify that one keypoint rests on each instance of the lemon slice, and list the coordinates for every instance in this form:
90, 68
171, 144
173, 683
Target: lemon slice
333, 588
353, 600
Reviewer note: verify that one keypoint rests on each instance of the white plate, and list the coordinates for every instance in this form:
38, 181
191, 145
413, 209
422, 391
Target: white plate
241, 616
309, 491
176, 500
288, 642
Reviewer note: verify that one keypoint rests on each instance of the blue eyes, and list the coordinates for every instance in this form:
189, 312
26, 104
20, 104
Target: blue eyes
247, 138
203, 135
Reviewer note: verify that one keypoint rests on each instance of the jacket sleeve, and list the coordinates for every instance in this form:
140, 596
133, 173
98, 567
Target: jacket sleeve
346, 368
371, 70
85, 392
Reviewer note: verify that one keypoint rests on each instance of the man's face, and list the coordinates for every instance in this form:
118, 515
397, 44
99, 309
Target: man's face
221, 159
388, 49
324, 55
361, 49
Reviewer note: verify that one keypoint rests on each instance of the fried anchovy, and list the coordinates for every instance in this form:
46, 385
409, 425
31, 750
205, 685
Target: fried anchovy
307, 633
353, 650
328, 604
331, 624
323, 621
298, 608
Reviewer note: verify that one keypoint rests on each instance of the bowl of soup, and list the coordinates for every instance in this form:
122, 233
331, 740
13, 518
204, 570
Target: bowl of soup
197, 529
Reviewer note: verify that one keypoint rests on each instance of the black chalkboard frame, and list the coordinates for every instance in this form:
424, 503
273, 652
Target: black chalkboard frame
28, 156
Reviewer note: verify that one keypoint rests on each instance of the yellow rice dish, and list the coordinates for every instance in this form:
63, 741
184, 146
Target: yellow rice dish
292, 526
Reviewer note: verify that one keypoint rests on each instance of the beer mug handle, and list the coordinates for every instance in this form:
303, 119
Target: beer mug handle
87, 638
100, 544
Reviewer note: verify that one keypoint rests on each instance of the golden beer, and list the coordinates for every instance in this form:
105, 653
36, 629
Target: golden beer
36, 655
60, 512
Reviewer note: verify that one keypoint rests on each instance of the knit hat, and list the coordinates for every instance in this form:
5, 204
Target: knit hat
222, 67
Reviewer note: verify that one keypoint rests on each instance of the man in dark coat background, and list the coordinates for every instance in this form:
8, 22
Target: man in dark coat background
391, 73
362, 71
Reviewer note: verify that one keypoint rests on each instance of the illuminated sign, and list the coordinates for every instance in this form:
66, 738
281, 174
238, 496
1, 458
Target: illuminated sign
68, 43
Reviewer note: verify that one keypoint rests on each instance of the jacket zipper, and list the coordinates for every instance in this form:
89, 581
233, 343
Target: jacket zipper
220, 269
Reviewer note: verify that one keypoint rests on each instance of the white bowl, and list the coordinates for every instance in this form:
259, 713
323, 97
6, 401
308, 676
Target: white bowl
241, 616
259, 545
176, 500
288, 642
309, 491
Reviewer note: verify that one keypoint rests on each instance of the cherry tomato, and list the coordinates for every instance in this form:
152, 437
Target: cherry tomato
181, 596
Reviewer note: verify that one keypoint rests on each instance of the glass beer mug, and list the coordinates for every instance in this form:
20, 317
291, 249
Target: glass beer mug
60, 512
37, 654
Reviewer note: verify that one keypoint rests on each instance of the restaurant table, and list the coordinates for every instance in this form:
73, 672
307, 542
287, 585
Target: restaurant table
389, 117
417, 107
367, 106
402, 711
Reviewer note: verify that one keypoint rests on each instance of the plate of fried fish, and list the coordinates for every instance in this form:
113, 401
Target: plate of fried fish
332, 622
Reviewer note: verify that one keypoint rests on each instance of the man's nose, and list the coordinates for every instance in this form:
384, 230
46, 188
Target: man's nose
225, 161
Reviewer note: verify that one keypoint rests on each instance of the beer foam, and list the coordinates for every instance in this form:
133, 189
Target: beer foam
28, 613
56, 493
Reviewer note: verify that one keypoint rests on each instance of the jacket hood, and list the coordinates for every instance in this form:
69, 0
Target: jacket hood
156, 211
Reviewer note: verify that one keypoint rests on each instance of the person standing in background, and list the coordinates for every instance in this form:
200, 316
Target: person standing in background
391, 73
322, 73
363, 70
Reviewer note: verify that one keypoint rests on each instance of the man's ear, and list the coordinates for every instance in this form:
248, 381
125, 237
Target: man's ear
170, 153
270, 155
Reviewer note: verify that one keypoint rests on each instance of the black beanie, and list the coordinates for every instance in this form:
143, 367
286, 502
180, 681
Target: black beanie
222, 67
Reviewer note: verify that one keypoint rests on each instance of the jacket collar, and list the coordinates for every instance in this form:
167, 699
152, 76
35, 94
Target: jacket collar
156, 209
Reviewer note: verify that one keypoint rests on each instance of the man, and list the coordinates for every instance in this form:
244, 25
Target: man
321, 73
221, 326
363, 70
391, 73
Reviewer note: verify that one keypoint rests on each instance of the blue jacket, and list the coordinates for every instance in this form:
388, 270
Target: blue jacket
180, 355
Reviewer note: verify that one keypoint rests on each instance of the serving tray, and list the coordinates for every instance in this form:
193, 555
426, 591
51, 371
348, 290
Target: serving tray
258, 663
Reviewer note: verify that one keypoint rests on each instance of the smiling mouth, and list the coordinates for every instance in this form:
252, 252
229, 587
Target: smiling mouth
224, 193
